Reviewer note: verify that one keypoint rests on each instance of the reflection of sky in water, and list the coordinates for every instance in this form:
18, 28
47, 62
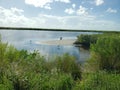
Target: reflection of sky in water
24, 39
21, 35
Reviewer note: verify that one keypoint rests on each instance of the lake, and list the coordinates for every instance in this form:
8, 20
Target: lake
32, 40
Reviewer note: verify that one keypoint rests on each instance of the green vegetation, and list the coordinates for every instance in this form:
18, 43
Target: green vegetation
102, 70
23, 70
107, 50
105, 53
86, 39
100, 80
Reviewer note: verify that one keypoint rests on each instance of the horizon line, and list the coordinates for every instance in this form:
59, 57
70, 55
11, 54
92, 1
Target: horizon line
54, 29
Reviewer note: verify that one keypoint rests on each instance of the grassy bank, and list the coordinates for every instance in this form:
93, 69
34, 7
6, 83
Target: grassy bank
22, 70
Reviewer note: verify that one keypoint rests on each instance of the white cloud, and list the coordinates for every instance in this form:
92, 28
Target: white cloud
11, 11
44, 3
99, 2
47, 6
69, 11
82, 11
17, 11
9, 17
40, 3
110, 10
73, 5
65, 1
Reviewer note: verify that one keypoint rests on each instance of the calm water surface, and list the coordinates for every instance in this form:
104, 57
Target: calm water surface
28, 40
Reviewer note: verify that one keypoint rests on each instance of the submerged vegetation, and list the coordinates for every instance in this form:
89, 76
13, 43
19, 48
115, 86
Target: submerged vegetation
23, 70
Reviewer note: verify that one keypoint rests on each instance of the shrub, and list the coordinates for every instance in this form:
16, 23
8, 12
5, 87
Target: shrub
51, 81
5, 83
105, 53
99, 81
86, 39
68, 64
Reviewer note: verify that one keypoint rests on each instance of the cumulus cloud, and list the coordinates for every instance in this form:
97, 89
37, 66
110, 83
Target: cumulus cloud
99, 2
15, 17
110, 10
69, 11
11, 16
44, 3
73, 5
13, 10
17, 11
82, 11
40, 3
65, 1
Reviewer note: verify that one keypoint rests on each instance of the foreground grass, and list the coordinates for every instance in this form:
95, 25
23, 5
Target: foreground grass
22, 70
99, 81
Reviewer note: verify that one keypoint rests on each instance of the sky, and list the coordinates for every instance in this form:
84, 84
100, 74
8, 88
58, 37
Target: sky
61, 14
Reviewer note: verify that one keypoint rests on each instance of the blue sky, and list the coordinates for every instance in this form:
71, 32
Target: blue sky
63, 14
